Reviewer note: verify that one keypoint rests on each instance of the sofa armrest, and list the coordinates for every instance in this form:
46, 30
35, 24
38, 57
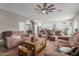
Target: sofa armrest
64, 38
63, 43
8, 42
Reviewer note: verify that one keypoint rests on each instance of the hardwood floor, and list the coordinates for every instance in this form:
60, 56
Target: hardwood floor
51, 49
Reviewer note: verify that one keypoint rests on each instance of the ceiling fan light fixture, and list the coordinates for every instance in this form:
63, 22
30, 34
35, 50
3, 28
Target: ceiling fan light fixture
45, 9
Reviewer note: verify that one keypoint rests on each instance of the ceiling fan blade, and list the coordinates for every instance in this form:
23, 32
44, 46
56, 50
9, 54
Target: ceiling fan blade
50, 6
36, 9
38, 12
51, 9
39, 6
44, 5
46, 12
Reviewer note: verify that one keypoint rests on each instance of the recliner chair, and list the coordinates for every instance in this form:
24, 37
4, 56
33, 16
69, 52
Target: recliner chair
68, 45
69, 41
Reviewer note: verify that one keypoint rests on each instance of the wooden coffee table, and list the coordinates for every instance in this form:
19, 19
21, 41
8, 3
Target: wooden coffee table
37, 46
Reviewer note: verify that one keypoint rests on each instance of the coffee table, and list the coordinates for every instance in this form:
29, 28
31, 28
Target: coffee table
36, 46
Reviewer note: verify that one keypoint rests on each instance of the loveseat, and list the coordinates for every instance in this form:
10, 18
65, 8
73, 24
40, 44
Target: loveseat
13, 38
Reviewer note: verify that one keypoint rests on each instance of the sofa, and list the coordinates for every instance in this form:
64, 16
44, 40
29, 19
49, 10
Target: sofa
69, 41
68, 44
13, 38
10, 42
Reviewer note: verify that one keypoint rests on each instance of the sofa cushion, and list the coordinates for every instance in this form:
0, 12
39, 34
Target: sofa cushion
16, 36
6, 34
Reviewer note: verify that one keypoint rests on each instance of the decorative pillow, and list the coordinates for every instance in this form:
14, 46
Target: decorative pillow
16, 36
66, 49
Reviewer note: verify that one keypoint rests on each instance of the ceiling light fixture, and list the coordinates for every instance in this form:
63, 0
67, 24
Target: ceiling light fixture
44, 9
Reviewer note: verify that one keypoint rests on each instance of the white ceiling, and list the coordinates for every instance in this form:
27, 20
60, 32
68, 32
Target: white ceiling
69, 11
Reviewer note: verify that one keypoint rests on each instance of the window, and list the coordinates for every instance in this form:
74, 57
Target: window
21, 26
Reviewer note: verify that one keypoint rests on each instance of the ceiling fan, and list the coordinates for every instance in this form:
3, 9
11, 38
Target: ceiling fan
45, 9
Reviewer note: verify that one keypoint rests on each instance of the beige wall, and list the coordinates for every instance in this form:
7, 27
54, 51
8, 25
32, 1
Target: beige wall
9, 21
